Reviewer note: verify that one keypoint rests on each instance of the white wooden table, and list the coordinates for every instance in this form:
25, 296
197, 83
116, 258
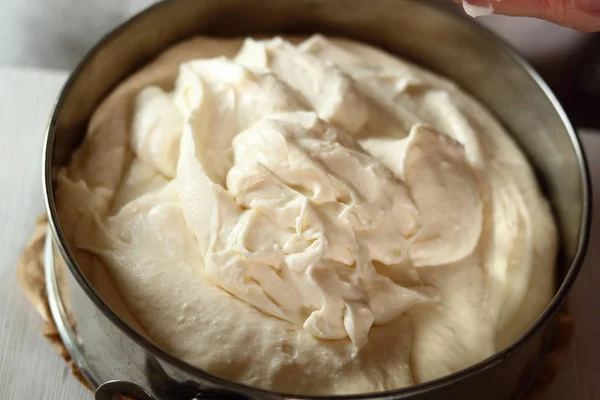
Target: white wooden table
29, 368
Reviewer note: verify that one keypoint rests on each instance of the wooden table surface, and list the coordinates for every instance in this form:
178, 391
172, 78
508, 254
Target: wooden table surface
29, 368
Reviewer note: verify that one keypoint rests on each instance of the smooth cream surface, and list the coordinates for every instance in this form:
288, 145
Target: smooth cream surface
317, 218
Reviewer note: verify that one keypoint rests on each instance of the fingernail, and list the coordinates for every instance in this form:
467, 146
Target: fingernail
478, 8
589, 5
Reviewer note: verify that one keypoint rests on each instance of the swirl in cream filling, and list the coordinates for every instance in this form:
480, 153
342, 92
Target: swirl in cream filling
290, 213
323, 190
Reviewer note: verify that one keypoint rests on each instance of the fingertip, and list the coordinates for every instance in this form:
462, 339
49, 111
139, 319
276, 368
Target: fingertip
477, 8
589, 6
582, 15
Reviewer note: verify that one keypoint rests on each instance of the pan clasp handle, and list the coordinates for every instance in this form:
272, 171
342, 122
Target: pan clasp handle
113, 390
116, 390
217, 394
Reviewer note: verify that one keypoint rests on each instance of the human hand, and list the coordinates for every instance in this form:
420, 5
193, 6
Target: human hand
583, 15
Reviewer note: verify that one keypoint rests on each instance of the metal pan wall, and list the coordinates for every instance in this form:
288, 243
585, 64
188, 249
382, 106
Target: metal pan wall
425, 32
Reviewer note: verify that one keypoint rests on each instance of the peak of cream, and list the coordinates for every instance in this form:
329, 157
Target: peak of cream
315, 217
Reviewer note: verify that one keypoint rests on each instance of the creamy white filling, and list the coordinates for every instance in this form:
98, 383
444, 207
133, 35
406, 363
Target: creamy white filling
321, 210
